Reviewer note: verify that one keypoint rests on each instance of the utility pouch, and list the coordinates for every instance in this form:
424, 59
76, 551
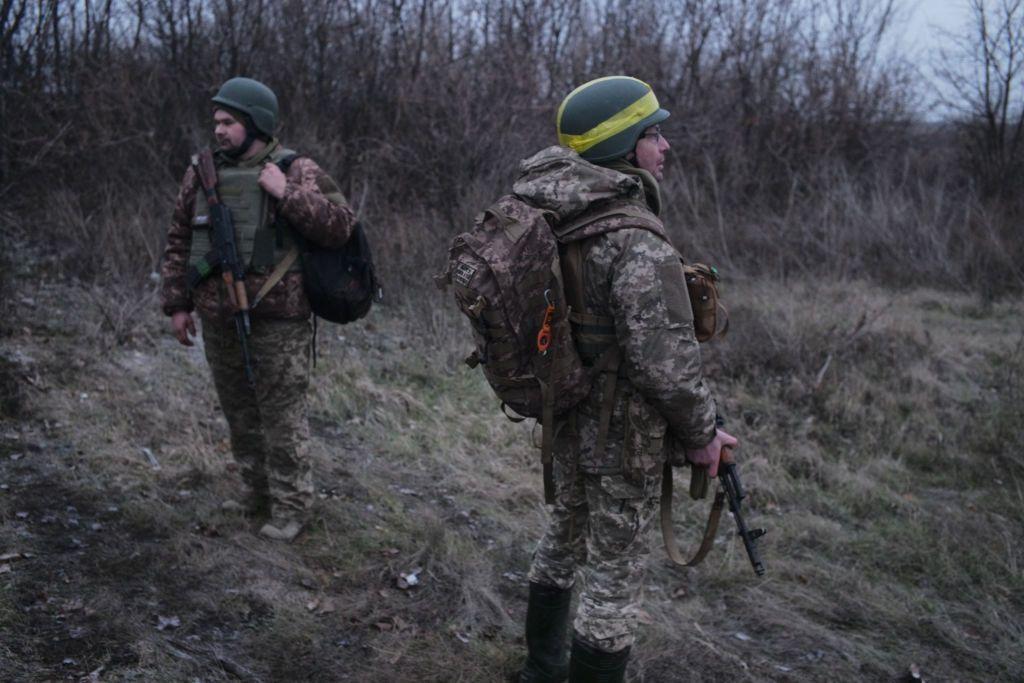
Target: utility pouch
710, 318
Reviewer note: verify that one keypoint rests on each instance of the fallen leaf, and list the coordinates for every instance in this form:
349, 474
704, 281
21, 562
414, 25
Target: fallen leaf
740, 635
164, 623
384, 626
312, 605
10, 556
406, 581
5, 568
680, 592
153, 462
644, 617
326, 606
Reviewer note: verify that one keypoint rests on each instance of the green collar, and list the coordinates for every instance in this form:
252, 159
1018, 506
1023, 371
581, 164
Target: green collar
258, 160
652, 192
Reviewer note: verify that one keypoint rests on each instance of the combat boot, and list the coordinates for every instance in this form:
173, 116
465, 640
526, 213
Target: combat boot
587, 664
286, 530
547, 618
285, 523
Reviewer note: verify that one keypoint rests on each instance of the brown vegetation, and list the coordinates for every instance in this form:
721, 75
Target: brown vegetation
796, 147
881, 447
874, 370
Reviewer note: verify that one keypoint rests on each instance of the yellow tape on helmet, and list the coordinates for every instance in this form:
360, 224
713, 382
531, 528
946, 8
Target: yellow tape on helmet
620, 121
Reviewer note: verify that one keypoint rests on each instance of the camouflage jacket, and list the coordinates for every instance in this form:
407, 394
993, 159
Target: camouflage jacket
313, 205
632, 274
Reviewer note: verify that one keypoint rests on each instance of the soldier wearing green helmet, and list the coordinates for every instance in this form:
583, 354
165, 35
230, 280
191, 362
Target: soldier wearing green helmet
252, 103
276, 198
649, 407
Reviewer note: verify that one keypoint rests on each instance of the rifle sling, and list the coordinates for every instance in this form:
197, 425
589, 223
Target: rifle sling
668, 534
275, 276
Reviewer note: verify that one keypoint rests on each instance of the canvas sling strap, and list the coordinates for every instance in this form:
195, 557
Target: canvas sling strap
275, 276
698, 488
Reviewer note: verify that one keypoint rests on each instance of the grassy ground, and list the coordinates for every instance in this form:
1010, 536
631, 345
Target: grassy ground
882, 445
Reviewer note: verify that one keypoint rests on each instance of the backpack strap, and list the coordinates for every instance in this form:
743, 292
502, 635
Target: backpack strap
284, 163
594, 336
576, 229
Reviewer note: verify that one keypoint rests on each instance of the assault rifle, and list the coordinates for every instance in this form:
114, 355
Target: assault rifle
729, 477
225, 254
732, 490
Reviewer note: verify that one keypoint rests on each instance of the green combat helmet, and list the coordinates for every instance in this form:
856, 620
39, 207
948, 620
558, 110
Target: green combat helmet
253, 99
602, 119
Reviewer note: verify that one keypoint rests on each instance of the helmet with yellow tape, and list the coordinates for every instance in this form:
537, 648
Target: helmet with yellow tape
603, 119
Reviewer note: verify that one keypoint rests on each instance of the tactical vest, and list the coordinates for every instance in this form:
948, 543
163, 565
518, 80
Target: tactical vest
262, 242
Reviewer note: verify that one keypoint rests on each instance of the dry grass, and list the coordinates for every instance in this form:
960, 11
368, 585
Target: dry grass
881, 438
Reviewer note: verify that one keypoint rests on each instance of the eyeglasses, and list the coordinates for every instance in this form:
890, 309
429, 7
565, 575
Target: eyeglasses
652, 133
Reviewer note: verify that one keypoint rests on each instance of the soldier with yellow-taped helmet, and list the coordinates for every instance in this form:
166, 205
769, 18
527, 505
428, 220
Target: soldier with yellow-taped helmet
632, 323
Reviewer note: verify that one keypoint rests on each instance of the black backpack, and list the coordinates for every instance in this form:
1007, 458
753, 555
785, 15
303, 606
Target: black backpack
341, 284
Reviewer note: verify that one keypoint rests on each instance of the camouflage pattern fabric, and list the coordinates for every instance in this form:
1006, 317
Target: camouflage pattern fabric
268, 424
606, 501
599, 527
634, 276
313, 205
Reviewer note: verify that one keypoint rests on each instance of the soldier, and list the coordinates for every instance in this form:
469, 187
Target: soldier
607, 470
271, 210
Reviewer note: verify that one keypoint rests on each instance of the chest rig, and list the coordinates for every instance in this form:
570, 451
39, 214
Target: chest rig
262, 241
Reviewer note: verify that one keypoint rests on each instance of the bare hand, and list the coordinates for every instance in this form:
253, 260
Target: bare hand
717, 451
273, 181
184, 327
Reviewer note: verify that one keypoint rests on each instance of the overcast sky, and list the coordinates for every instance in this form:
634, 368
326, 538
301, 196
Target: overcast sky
925, 21
921, 35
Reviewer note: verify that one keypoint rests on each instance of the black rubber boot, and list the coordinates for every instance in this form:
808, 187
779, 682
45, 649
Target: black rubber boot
547, 619
590, 665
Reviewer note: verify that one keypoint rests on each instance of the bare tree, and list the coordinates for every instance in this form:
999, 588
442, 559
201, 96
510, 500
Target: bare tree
985, 71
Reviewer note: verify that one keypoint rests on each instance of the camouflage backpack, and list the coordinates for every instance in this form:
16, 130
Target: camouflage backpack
507, 280
507, 277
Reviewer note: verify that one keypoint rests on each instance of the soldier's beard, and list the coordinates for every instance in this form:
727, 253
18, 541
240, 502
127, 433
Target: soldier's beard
236, 152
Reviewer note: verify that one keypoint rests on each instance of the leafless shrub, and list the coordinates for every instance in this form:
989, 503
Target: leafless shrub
791, 122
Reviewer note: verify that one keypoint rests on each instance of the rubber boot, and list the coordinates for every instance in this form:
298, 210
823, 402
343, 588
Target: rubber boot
587, 664
547, 620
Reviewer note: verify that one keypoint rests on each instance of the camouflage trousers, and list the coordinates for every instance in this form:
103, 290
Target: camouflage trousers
599, 527
269, 425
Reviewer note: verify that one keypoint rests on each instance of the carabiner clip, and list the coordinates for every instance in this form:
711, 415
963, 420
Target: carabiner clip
544, 336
